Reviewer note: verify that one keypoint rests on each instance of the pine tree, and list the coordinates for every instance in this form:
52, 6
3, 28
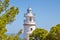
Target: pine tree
7, 15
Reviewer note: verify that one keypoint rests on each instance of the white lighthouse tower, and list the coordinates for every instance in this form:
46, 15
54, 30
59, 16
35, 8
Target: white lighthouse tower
29, 23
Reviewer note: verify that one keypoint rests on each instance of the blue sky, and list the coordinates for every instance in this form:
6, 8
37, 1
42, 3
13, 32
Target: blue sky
47, 13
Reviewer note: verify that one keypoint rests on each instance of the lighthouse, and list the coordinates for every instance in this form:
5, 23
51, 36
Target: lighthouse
29, 23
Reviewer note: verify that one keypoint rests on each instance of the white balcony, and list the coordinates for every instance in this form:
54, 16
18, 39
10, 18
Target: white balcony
26, 22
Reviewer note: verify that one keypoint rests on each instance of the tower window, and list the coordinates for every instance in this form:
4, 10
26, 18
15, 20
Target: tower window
31, 29
30, 18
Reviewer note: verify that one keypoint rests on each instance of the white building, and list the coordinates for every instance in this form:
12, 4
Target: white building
29, 23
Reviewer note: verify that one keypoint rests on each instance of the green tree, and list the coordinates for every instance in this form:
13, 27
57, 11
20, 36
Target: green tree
38, 34
15, 37
20, 32
7, 15
54, 33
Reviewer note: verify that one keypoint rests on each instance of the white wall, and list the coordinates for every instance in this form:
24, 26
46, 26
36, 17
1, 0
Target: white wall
27, 30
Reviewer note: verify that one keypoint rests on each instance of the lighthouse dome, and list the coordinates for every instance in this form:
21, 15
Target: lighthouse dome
29, 13
29, 9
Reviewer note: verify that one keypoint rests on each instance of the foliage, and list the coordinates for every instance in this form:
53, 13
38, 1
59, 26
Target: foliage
12, 37
42, 34
15, 37
20, 32
38, 34
7, 15
54, 33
